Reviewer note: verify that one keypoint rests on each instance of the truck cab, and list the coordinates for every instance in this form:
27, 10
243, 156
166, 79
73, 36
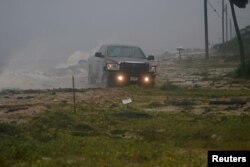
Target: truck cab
116, 65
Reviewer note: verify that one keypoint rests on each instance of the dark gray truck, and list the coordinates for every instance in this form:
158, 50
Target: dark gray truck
121, 65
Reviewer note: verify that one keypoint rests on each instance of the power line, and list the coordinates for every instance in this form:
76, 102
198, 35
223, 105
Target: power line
210, 4
217, 13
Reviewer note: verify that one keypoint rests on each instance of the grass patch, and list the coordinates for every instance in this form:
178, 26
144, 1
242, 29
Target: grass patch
188, 92
155, 93
155, 104
126, 136
183, 102
9, 129
135, 115
121, 137
168, 85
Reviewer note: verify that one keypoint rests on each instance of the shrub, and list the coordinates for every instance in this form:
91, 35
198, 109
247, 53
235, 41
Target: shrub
168, 85
244, 71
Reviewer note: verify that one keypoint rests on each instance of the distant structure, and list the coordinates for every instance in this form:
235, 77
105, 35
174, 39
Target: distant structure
180, 49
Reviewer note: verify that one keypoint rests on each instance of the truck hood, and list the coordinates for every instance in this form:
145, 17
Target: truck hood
120, 60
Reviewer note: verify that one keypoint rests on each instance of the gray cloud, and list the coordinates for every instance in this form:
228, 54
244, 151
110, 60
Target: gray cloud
44, 32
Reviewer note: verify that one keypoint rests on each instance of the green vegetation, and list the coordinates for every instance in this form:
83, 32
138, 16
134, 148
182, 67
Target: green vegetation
185, 92
244, 71
168, 85
231, 49
124, 136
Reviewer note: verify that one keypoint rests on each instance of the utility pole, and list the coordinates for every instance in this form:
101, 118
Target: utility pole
206, 30
231, 33
226, 23
237, 30
223, 4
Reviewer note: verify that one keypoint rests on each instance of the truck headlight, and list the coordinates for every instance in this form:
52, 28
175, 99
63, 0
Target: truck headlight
146, 79
152, 68
120, 78
112, 67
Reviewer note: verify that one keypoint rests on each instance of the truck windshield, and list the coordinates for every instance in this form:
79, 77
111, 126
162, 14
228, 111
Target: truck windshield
123, 51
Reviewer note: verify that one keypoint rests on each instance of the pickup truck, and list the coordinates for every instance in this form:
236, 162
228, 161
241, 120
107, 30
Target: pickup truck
115, 65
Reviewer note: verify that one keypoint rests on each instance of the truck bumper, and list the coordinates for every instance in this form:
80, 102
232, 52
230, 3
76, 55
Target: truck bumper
122, 78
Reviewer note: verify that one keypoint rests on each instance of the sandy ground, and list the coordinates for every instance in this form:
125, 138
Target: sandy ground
194, 73
19, 106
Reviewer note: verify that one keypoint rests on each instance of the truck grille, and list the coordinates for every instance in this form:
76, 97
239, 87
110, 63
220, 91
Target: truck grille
134, 68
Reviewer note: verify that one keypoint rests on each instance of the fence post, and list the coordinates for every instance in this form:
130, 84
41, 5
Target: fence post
74, 96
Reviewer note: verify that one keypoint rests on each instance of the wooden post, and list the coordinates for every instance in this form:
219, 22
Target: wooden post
74, 96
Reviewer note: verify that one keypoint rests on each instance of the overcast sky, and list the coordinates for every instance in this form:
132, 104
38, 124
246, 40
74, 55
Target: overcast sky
52, 30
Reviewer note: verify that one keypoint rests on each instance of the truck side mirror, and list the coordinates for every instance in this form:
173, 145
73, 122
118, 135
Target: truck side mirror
151, 57
98, 54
